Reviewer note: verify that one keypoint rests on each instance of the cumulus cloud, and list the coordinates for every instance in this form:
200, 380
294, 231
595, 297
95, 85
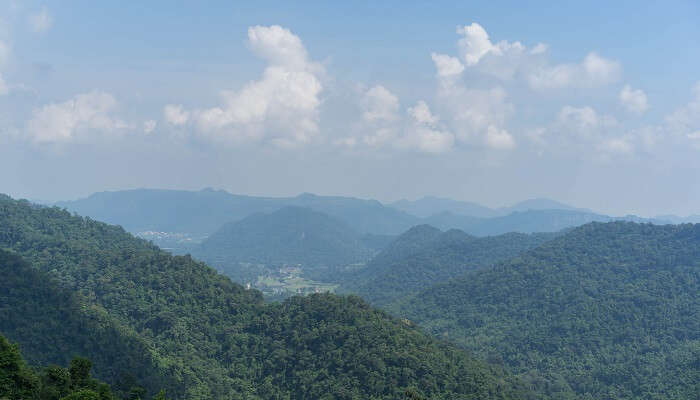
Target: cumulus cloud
281, 106
41, 21
84, 114
175, 114
447, 66
379, 104
424, 133
507, 60
634, 100
499, 138
384, 126
475, 44
577, 128
593, 71
582, 118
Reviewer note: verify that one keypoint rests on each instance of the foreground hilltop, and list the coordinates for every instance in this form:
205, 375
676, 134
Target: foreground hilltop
201, 336
606, 311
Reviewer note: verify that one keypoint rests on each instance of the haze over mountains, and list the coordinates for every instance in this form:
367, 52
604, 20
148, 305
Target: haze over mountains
430, 205
201, 213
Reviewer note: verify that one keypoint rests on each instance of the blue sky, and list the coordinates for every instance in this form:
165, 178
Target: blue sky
585, 102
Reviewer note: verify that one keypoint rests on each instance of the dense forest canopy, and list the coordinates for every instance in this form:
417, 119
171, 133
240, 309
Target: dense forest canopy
607, 311
209, 338
424, 256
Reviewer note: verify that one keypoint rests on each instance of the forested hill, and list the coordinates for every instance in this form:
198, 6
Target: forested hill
424, 256
56, 324
211, 339
291, 235
607, 311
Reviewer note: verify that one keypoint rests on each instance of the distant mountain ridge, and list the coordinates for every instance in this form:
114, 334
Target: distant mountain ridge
205, 211
429, 206
201, 213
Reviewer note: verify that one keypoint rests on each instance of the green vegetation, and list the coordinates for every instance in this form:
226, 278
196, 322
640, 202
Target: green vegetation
424, 256
290, 236
208, 338
19, 382
607, 311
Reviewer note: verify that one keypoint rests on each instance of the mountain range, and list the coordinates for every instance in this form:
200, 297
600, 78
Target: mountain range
75, 285
607, 310
160, 215
429, 205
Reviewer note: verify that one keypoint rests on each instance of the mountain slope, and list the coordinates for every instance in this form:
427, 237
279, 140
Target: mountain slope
606, 311
424, 256
57, 325
291, 235
220, 341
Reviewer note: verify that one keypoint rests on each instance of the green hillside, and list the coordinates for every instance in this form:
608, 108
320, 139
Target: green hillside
608, 311
289, 236
424, 256
212, 339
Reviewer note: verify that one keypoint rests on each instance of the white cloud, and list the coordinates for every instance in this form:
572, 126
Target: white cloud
540, 48
83, 114
447, 66
634, 100
175, 114
149, 126
499, 138
379, 104
423, 133
41, 22
584, 132
506, 60
421, 113
282, 106
475, 43
470, 113
593, 71
582, 118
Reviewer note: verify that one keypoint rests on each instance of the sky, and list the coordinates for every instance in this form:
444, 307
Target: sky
589, 103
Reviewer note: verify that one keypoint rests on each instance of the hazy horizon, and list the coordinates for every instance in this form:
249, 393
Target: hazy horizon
593, 105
